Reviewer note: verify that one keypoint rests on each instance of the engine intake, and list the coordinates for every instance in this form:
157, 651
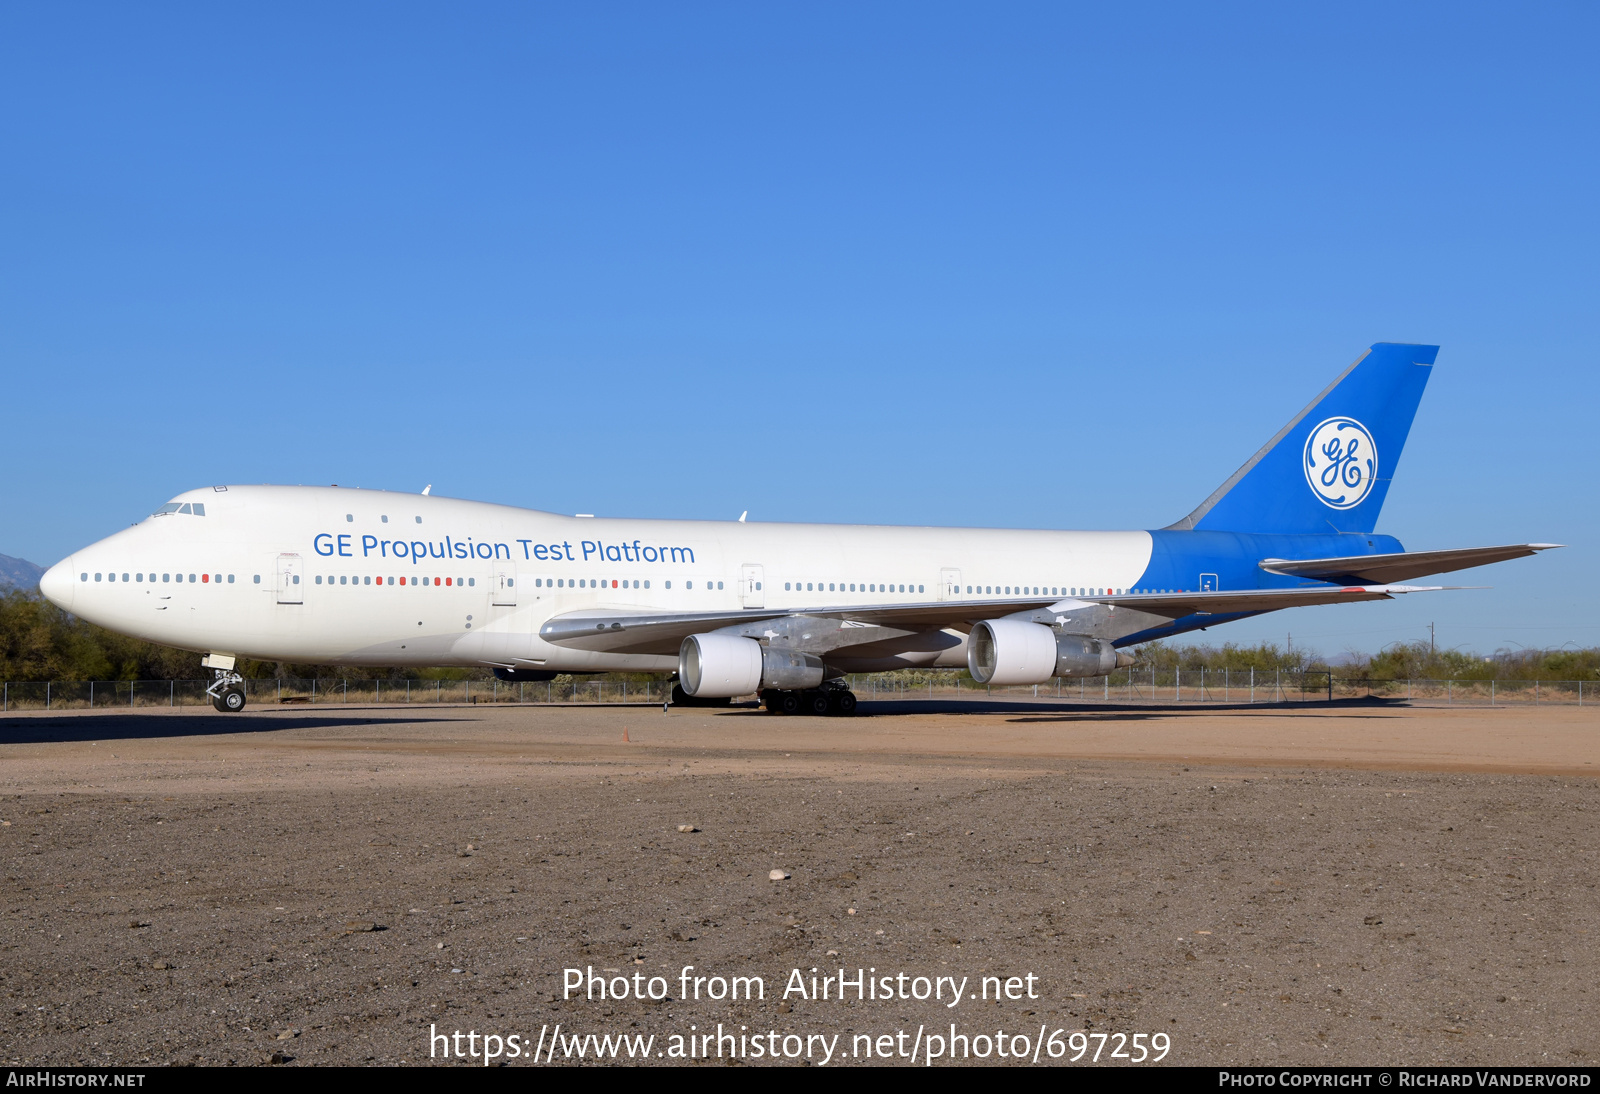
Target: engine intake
1015, 651
717, 666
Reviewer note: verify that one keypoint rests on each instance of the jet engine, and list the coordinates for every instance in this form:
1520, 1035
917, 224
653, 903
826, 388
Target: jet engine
713, 666
1014, 651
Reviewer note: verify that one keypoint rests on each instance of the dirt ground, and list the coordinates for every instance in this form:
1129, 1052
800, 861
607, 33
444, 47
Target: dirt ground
1356, 884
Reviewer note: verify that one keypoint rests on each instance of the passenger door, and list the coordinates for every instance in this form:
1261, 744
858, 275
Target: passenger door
949, 584
1208, 583
289, 573
750, 586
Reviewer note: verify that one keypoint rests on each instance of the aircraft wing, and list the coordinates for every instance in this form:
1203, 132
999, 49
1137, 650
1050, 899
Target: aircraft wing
663, 632
1250, 601
621, 631
1362, 569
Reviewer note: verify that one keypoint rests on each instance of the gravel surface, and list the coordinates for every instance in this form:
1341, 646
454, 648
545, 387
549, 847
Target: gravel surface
329, 886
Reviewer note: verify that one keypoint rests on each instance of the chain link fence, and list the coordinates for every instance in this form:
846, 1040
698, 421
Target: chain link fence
1134, 685
1148, 684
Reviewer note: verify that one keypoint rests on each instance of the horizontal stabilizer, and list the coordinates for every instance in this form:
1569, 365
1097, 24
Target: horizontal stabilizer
1366, 569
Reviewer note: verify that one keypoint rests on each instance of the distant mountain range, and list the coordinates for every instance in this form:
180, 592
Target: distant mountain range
19, 573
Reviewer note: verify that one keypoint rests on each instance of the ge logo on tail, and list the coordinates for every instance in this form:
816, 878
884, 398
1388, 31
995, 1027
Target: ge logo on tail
1341, 462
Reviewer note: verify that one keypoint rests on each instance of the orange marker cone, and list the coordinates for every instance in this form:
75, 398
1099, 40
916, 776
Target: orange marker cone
624, 735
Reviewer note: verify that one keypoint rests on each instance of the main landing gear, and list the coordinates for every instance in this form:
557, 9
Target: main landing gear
227, 691
815, 701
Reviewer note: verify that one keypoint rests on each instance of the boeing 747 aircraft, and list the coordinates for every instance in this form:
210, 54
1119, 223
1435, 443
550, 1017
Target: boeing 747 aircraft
357, 577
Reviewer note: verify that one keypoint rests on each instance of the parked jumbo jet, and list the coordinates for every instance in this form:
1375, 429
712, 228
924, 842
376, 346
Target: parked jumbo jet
358, 577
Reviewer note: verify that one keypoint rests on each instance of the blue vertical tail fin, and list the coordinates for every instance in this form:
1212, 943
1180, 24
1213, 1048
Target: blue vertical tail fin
1329, 469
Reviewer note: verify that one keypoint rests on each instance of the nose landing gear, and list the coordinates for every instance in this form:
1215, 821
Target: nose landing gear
227, 691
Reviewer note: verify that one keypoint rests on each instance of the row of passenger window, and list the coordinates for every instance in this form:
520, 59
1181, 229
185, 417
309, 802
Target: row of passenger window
205, 578
368, 579
585, 583
1038, 590
840, 586
604, 583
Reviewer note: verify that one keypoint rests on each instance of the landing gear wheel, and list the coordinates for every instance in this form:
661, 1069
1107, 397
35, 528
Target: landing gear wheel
788, 702
815, 702
230, 701
843, 703
770, 698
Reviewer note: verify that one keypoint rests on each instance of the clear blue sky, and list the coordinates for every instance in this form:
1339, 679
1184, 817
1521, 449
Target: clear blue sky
1035, 266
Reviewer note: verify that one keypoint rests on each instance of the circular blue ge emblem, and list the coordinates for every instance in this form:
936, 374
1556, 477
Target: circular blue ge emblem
1341, 462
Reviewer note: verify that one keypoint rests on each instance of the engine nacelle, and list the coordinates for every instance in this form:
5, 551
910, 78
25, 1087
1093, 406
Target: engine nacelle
1014, 651
1077, 655
790, 670
717, 666
1011, 651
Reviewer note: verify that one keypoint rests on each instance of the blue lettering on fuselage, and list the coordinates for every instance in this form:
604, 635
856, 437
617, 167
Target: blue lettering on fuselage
417, 550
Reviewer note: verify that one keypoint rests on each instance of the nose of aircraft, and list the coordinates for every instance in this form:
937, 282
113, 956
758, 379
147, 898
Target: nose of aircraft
57, 584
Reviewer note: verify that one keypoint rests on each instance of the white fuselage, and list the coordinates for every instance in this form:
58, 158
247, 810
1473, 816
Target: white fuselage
328, 575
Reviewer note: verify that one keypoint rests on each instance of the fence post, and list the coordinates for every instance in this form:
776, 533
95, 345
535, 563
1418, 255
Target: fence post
1450, 693
6, 689
1535, 690
172, 693
91, 694
1177, 685
47, 695
1277, 685
1252, 683
1491, 693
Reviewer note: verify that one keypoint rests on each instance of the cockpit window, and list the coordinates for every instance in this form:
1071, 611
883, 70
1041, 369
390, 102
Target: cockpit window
196, 509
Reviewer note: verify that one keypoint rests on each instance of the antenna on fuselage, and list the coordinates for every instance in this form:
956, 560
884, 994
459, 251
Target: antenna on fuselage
425, 489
